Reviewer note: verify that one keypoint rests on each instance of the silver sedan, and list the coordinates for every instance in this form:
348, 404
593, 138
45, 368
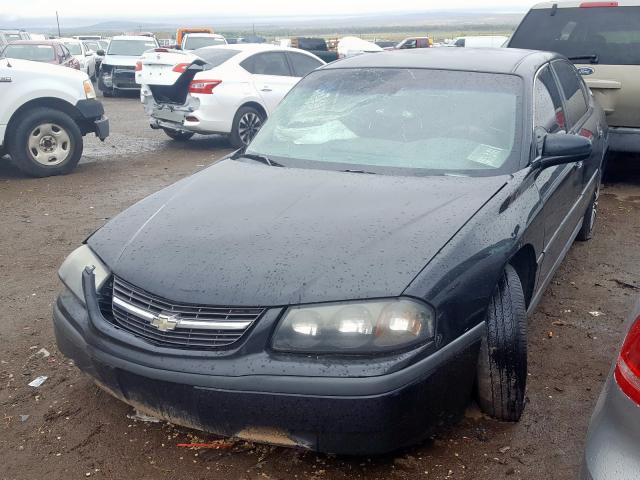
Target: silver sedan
613, 441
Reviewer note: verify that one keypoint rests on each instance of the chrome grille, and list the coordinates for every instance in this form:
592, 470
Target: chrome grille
176, 325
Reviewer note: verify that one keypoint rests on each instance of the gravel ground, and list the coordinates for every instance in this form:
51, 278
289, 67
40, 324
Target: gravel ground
74, 430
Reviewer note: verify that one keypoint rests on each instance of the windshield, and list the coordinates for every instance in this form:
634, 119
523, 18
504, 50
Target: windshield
612, 34
73, 47
402, 121
130, 48
36, 53
193, 43
95, 46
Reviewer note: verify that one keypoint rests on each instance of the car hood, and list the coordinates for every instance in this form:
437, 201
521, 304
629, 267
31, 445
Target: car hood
43, 68
120, 60
243, 234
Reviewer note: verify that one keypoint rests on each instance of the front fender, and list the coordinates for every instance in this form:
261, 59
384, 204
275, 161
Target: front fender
460, 280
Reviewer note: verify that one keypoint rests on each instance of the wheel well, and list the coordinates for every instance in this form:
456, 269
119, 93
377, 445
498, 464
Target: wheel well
524, 262
257, 106
44, 102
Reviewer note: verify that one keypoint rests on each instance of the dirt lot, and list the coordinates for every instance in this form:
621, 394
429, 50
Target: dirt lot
73, 430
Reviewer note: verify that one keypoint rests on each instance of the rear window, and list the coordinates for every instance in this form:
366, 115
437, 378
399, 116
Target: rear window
611, 34
215, 56
193, 43
36, 53
130, 48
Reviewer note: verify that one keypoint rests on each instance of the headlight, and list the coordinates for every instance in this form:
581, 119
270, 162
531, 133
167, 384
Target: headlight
355, 327
70, 271
88, 89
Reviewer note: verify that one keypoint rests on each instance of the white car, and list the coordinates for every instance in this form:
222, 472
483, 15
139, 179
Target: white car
117, 70
194, 41
230, 89
81, 52
44, 113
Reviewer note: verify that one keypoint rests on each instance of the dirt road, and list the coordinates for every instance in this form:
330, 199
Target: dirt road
68, 429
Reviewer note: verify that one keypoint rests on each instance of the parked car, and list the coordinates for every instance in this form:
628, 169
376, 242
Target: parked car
602, 39
44, 113
13, 35
194, 41
351, 46
316, 46
83, 54
343, 282
117, 70
480, 41
181, 32
47, 51
614, 433
415, 42
97, 46
226, 89
386, 44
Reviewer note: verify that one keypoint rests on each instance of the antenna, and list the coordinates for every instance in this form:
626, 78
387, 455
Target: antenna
58, 22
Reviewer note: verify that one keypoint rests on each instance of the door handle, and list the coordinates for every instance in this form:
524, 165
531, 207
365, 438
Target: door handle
266, 89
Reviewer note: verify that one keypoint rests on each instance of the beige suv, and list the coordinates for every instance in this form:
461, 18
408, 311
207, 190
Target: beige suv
603, 39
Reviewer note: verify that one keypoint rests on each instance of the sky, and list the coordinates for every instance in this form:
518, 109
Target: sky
12, 9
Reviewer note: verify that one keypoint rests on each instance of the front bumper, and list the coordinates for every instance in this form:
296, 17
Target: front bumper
92, 118
622, 139
236, 397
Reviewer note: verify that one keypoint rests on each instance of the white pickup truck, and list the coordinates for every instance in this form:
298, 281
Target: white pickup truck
45, 110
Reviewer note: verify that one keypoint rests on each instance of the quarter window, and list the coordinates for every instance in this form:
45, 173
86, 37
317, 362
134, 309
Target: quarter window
575, 100
303, 64
270, 63
549, 114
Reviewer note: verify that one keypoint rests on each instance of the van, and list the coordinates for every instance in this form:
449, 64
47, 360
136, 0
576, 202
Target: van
603, 41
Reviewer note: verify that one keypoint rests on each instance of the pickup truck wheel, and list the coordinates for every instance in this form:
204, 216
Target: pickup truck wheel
45, 142
590, 216
246, 124
178, 135
502, 364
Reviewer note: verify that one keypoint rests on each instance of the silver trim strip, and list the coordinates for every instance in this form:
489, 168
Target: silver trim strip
193, 324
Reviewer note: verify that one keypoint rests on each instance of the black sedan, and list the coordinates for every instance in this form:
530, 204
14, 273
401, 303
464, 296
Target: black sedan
351, 278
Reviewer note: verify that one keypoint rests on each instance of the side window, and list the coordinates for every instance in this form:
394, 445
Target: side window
269, 63
303, 64
461, 42
65, 52
574, 95
548, 115
409, 43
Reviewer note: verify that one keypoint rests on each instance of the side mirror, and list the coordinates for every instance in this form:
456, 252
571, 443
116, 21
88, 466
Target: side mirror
561, 148
100, 53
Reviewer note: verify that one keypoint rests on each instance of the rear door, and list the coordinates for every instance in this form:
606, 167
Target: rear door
271, 76
559, 186
604, 43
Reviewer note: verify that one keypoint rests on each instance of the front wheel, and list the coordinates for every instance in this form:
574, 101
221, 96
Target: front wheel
246, 125
178, 135
502, 364
45, 142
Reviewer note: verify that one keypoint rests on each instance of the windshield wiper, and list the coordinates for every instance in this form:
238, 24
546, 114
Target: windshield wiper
260, 158
359, 171
593, 57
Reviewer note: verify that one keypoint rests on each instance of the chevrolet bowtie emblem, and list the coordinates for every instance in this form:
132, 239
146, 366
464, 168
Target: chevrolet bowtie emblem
165, 322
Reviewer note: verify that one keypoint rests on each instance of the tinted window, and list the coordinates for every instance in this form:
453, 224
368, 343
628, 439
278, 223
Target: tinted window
37, 53
612, 34
548, 112
312, 44
575, 101
303, 64
130, 48
398, 120
216, 56
461, 42
193, 43
270, 63
411, 43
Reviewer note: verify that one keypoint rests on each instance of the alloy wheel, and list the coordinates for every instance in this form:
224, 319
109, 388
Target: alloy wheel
248, 126
49, 144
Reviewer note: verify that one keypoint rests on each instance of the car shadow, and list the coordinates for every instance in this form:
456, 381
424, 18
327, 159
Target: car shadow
622, 168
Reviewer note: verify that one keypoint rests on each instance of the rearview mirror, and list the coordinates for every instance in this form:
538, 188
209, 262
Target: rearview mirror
100, 53
561, 148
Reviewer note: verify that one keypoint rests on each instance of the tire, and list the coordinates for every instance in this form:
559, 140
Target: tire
177, 135
108, 93
246, 124
502, 364
590, 217
45, 142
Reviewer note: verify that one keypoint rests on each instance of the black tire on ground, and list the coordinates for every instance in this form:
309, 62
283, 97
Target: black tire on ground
502, 364
108, 93
45, 142
177, 135
246, 124
590, 217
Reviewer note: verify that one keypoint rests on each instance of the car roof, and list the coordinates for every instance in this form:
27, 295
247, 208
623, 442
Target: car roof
492, 60
70, 40
206, 35
35, 42
577, 4
132, 37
